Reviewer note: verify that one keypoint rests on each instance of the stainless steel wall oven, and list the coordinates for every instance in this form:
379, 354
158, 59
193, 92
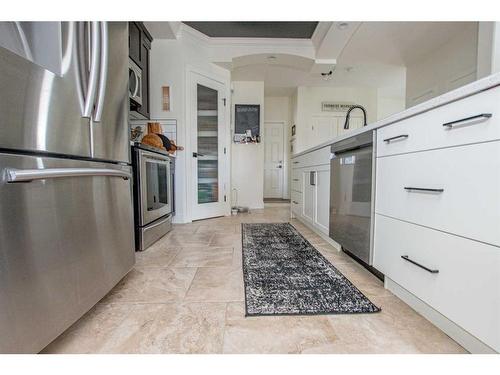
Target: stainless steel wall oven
153, 194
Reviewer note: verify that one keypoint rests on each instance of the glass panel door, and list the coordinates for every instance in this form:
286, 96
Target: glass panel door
208, 150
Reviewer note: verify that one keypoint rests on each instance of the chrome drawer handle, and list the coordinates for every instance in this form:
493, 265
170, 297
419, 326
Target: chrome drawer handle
402, 136
450, 124
405, 257
411, 188
295, 202
295, 162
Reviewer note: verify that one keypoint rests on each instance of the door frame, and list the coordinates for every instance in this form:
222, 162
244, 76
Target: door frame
192, 75
285, 192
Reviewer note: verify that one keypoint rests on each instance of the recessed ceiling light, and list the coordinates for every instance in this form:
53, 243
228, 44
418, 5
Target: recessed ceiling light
343, 25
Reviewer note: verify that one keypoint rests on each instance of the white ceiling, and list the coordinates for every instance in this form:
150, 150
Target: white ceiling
364, 54
398, 43
375, 56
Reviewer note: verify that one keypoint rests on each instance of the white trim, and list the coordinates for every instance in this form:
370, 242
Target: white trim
319, 33
226, 49
276, 205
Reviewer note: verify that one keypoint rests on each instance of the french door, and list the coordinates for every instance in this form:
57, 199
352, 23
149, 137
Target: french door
209, 156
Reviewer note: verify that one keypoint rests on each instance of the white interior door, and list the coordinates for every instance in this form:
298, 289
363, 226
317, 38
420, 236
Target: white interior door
208, 146
273, 159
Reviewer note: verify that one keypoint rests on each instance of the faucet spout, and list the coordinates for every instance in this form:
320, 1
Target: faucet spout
347, 116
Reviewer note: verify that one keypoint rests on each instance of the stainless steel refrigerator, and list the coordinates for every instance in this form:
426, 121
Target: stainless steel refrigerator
66, 219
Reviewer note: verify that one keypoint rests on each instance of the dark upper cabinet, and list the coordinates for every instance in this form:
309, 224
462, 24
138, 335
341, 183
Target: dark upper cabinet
134, 42
139, 50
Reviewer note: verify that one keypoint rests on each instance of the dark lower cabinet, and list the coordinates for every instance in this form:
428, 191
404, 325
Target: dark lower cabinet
139, 50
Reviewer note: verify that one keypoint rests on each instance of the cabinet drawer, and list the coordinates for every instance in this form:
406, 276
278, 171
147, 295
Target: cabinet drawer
427, 131
466, 288
318, 157
469, 177
297, 180
298, 162
296, 202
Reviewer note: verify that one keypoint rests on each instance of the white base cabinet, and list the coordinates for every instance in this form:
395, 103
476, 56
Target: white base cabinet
322, 198
461, 278
311, 189
437, 205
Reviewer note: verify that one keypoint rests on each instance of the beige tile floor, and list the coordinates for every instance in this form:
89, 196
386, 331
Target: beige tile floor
185, 295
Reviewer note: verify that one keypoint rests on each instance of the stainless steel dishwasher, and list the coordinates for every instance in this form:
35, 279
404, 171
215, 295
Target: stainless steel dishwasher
351, 210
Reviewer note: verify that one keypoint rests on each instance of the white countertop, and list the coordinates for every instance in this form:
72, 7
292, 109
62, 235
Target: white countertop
459, 93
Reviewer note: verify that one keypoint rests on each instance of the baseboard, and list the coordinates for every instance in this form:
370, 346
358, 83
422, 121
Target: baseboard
179, 219
319, 233
464, 338
275, 204
257, 207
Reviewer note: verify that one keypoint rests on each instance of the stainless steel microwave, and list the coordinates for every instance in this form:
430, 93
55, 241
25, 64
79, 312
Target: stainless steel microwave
134, 82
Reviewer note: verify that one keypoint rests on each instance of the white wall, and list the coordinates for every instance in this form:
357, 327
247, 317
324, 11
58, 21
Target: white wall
314, 126
247, 160
452, 65
388, 105
278, 109
171, 60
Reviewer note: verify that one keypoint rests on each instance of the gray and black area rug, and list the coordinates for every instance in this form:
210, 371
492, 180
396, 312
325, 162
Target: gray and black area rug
285, 275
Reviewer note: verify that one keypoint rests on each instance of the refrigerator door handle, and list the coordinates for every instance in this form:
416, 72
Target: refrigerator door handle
28, 175
103, 71
94, 70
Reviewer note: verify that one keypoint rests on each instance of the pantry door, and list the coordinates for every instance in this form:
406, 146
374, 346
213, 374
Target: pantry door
209, 149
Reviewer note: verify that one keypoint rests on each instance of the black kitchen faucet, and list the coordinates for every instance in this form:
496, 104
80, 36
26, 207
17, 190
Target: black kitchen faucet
346, 124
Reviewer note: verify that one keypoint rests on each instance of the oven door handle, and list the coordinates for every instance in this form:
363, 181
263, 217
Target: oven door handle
158, 160
28, 175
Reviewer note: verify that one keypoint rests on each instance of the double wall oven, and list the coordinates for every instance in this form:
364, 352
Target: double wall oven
153, 194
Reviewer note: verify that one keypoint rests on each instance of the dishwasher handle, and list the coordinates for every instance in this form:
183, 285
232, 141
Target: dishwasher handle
28, 175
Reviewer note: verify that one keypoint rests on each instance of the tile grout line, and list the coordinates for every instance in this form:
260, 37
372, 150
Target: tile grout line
190, 285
